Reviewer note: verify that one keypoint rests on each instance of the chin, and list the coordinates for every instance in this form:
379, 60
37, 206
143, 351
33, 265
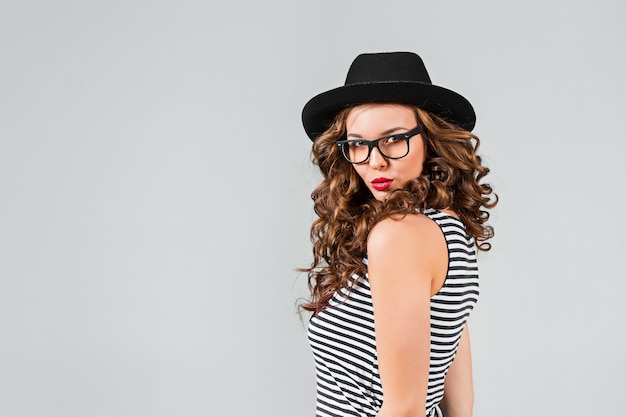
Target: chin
380, 195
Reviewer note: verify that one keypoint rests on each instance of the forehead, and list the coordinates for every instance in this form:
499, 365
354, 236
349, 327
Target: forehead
373, 117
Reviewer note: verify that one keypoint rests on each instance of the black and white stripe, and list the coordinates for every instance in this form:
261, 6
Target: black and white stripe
344, 345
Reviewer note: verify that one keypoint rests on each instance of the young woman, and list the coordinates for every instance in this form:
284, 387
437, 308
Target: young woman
401, 210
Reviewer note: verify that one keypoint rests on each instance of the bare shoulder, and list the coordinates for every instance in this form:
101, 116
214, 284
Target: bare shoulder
413, 231
410, 251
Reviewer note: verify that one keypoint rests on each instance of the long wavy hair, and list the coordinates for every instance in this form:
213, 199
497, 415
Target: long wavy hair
347, 211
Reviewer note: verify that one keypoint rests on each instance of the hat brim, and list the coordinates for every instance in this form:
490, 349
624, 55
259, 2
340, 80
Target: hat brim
319, 113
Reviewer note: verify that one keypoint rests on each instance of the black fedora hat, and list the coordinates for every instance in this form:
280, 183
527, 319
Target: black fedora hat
388, 77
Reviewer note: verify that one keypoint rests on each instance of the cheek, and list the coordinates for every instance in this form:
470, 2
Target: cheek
360, 170
412, 169
418, 158
419, 163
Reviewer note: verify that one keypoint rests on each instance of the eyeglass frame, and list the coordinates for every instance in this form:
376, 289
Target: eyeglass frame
374, 144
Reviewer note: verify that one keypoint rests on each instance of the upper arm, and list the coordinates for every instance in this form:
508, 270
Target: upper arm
403, 258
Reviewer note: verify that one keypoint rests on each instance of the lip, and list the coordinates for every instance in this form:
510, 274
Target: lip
381, 184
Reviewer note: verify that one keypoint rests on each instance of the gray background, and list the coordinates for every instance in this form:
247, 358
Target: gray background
154, 198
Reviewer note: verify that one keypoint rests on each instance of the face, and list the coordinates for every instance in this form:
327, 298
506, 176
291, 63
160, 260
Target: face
372, 121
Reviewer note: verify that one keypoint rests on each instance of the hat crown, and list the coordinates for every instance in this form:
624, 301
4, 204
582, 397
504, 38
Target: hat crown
387, 67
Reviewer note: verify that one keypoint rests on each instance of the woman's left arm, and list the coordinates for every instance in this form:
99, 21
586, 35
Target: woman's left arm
402, 261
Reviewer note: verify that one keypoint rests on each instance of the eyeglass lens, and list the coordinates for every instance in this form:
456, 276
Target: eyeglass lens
393, 147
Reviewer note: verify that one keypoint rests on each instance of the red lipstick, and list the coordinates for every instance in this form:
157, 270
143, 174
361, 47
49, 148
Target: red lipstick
381, 184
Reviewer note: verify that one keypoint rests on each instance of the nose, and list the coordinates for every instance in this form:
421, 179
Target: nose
377, 160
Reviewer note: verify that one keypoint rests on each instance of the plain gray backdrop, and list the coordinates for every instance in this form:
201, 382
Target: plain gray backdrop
155, 183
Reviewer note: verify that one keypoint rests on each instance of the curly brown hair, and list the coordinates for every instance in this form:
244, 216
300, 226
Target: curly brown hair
346, 210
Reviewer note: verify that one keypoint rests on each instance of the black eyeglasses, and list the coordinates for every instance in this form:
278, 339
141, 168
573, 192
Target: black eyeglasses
396, 146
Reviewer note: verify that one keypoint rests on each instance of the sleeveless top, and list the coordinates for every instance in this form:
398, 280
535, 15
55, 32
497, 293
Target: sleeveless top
344, 345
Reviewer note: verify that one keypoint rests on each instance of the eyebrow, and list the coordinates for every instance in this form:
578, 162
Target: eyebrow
385, 133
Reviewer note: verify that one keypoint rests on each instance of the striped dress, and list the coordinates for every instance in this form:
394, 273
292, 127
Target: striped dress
344, 345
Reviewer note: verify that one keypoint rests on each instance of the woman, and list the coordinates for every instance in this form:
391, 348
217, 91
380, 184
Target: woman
400, 210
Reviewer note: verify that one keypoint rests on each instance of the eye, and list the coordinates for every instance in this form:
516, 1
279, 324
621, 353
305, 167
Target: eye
357, 143
393, 139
